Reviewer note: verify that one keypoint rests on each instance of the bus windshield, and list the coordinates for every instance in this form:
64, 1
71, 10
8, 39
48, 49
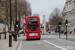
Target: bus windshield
32, 19
33, 27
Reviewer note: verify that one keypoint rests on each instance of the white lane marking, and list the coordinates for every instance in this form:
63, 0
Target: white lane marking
20, 45
55, 45
34, 42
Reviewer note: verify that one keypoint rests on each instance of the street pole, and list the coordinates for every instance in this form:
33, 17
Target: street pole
66, 32
5, 35
66, 23
10, 15
16, 9
56, 30
16, 18
59, 31
10, 35
5, 31
0, 36
43, 31
59, 28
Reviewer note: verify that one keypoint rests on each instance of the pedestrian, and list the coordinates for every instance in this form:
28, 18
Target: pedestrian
70, 32
65, 33
14, 35
24, 33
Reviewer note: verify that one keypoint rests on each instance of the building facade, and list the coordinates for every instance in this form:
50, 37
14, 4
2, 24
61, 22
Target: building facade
23, 22
69, 14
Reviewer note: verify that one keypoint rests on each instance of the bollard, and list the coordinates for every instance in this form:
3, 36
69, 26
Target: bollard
5, 35
0, 36
10, 40
18, 34
16, 37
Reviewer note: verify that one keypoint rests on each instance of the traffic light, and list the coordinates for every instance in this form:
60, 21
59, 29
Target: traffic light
66, 22
16, 23
16, 26
59, 23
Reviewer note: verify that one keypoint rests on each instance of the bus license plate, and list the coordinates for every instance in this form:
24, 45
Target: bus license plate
33, 34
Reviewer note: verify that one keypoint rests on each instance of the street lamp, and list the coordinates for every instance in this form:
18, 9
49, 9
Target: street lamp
10, 35
10, 15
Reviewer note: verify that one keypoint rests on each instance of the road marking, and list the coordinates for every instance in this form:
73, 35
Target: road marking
55, 45
33, 42
20, 45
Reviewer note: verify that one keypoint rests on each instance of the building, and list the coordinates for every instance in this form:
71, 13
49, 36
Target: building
69, 14
23, 22
47, 25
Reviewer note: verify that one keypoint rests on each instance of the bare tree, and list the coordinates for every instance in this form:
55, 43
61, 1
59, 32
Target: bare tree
56, 17
23, 9
6, 10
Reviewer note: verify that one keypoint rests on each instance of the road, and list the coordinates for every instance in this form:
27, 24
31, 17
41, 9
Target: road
48, 42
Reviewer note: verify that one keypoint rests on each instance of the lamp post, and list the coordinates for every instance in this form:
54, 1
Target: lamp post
16, 9
15, 13
10, 15
10, 35
5, 31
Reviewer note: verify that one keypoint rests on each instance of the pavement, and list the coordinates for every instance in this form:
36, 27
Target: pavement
4, 43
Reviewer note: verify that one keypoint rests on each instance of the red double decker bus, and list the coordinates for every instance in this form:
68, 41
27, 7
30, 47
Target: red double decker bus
33, 27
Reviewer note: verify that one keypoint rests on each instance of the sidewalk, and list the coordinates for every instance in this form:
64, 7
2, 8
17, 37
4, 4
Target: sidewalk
4, 43
70, 37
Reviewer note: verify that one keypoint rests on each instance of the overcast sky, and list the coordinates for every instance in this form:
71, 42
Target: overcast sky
45, 7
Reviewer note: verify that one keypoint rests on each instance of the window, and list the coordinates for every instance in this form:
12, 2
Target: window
32, 19
33, 27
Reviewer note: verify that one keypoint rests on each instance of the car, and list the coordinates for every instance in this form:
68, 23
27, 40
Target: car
21, 31
49, 31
